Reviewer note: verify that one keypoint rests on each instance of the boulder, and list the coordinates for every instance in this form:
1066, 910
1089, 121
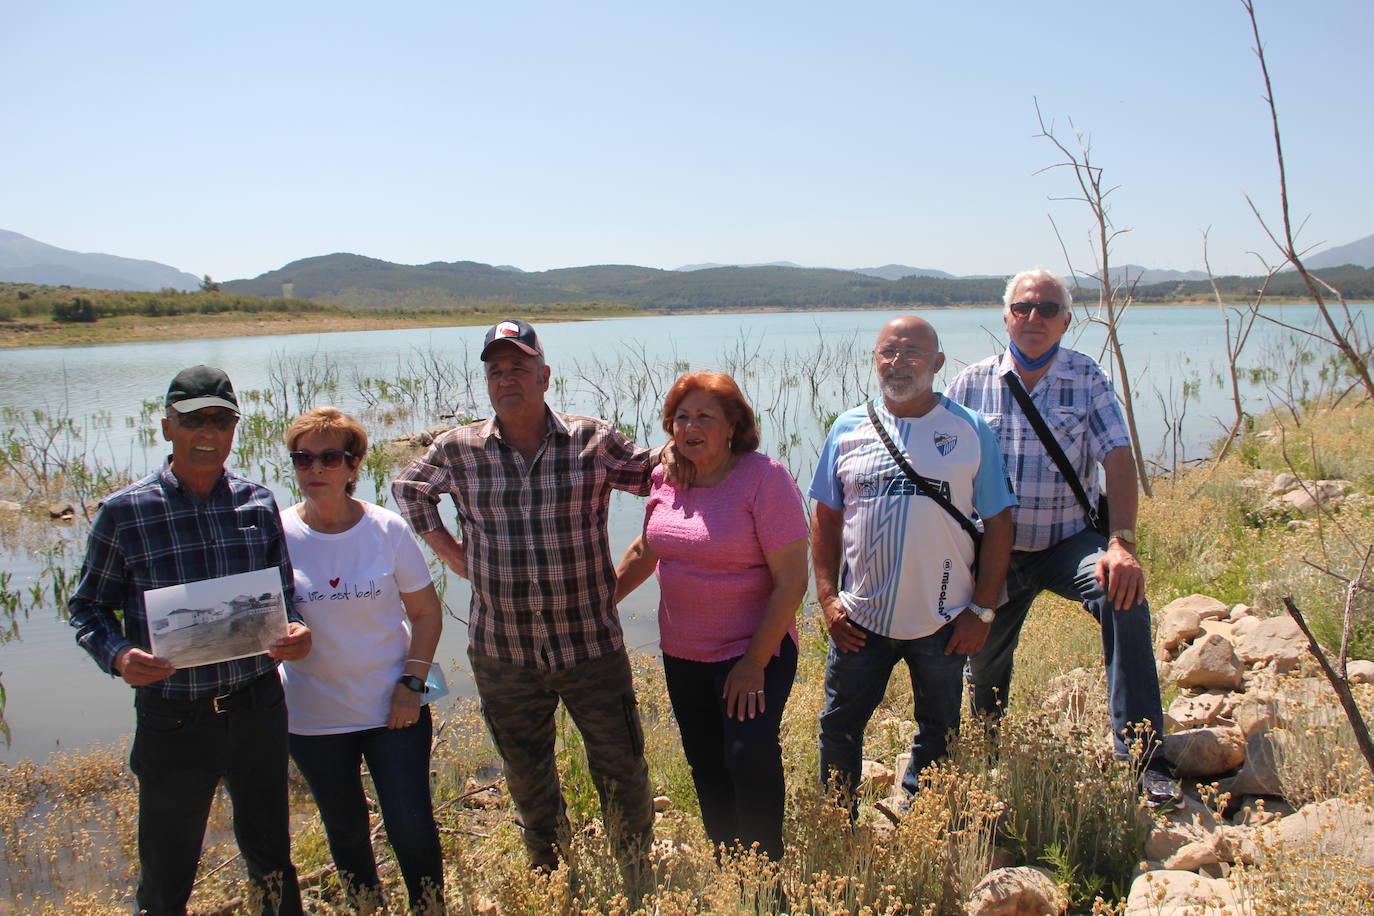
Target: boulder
1177, 627
1259, 775
875, 777
1203, 753
1256, 710
1022, 891
1172, 893
1360, 672
1223, 628
1194, 856
1210, 662
1311, 496
1240, 611
1068, 693
1205, 606
1168, 835
1335, 827
1203, 709
1273, 641
662, 803
1245, 625
62, 510
1283, 483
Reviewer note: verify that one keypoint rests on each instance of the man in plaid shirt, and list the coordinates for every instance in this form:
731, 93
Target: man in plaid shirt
532, 489
196, 726
1056, 547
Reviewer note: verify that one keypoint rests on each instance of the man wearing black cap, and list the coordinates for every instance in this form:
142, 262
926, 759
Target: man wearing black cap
190, 521
533, 489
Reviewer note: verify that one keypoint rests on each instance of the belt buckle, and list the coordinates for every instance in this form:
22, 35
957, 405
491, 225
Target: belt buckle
215, 704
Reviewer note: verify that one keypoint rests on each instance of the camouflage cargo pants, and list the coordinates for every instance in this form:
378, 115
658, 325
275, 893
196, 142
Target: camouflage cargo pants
519, 706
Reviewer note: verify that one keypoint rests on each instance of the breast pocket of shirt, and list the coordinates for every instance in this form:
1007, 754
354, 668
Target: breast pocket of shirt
1068, 425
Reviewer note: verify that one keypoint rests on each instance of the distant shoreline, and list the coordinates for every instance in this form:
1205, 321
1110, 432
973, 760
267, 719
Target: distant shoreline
138, 328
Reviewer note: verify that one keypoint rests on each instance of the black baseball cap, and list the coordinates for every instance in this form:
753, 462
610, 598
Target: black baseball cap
199, 387
515, 331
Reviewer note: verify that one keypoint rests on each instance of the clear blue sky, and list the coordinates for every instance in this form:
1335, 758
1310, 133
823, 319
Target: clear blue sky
232, 138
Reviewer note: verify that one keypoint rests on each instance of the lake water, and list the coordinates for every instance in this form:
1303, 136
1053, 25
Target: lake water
797, 369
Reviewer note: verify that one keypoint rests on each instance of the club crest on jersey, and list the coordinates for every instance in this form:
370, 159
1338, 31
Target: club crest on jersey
945, 443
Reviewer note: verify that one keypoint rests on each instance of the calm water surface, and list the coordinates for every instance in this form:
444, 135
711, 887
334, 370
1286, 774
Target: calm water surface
57, 699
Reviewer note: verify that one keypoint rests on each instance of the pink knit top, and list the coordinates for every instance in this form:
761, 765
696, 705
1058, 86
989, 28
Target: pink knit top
714, 581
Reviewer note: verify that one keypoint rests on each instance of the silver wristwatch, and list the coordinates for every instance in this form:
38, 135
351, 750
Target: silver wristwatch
985, 614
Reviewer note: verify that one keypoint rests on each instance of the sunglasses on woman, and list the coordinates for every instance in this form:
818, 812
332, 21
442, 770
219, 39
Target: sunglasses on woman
329, 459
1046, 309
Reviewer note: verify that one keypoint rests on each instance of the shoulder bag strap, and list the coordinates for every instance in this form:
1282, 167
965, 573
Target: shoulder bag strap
921, 485
1051, 444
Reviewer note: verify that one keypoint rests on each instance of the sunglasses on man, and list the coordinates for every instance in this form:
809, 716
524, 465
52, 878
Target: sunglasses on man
1046, 309
329, 459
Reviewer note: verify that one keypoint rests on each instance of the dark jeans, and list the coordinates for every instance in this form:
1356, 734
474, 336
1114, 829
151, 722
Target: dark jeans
519, 705
736, 766
182, 749
398, 760
1068, 569
855, 683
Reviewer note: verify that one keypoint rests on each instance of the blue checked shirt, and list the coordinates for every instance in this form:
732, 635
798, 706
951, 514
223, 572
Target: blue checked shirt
153, 534
1079, 406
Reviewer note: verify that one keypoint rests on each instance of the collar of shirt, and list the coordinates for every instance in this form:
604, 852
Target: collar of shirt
1057, 369
492, 430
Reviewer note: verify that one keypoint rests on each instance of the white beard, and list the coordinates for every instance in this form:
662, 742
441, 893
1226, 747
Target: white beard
899, 390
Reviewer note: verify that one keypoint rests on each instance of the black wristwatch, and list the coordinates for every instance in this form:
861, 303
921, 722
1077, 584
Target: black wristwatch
411, 682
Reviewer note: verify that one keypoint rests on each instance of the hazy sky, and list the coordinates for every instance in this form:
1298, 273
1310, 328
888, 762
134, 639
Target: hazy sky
232, 138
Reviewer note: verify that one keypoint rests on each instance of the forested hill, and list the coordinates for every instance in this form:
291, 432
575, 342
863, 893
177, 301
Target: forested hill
356, 281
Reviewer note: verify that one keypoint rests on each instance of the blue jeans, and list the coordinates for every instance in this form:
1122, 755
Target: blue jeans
855, 683
398, 760
736, 766
182, 749
1069, 569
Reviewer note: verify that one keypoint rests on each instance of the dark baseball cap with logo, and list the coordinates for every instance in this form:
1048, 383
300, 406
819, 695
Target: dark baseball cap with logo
199, 387
515, 331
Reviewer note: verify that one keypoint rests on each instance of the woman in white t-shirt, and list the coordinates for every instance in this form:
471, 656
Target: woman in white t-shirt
364, 590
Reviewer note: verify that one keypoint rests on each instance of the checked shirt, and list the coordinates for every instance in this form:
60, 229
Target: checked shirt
1079, 406
543, 584
153, 534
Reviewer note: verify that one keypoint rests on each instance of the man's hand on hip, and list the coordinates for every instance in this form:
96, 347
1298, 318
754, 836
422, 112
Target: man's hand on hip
969, 634
843, 632
1120, 573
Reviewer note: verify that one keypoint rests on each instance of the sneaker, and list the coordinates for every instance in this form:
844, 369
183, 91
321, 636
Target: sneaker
1162, 792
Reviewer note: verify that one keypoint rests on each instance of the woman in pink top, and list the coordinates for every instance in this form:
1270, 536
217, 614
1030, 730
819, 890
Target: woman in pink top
729, 548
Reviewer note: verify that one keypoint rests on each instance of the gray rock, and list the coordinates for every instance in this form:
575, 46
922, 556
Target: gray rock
1021, 891
1210, 662
1205, 606
1360, 672
1334, 827
1274, 641
1205, 753
1259, 774
1203, 709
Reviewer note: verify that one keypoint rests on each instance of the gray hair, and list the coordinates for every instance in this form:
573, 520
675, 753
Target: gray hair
1038, 275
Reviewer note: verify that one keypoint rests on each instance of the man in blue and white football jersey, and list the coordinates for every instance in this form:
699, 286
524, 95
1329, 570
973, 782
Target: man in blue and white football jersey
895, 570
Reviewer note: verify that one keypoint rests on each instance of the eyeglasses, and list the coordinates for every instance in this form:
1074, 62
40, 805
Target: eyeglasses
893, 354
1046, 309
329, 459
196, 420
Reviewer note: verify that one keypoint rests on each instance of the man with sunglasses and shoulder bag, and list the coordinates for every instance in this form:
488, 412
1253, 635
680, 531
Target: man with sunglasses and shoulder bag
1061, 543
901, 574
195, 726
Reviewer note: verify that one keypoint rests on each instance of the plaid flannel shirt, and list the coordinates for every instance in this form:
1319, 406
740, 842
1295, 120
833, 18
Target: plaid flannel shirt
153, 534
543, 584
1079, 405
